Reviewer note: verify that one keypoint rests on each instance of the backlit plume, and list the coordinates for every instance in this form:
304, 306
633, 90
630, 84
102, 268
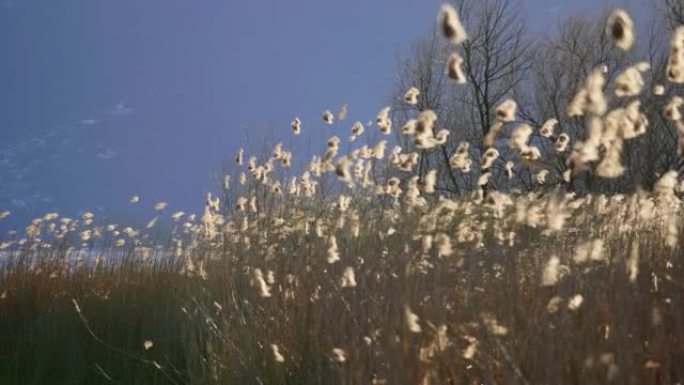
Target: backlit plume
675, 62
277, 356
630, 82
520, 137
342, 113
548, 127
562, 142
454, 68
383, 121
450, 25
590, 97
357, 130
260, 283
620, 28
333, 252
505, 112
430, 182
239, 158
672, 108
411, 320
328, 117
411, 96
348, 278
509, 169
296, 126
461, 158
488, 158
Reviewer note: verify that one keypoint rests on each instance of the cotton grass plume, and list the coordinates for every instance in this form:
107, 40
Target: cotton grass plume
630, 82
575, 302
411, 320
411, 96
339, 355
383, 121
348, 278
443, 244
296, 126
675, 62
454, 68
548, 127
430, 181
357, 130
562, 142
328, 117
450, 25
552, 272
342, 113
611, 164
505, 112
260, 282
590, 97
620, 28
342, 170
589, 251
461, 158
672, 108
333, 251
520, 137
509, 169
488, 158
277, 356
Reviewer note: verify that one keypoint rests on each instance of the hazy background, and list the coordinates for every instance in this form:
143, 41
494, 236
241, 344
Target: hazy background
100, 99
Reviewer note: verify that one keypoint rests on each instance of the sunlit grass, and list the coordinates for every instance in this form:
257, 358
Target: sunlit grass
363, 268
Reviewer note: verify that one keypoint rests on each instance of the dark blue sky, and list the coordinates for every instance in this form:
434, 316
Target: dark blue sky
100, 99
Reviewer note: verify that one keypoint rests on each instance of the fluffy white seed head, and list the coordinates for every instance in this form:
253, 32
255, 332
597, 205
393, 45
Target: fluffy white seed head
328, 117
505, 112
590, 97
277, 356
450, 25
672, 108
296, 126
411, 320
620, 28
383, 121
411, 96
630, 82
520, 137
488, 158
562, 142
658, 90
342, 113
454, 68
675, 63
548, 127
348, 278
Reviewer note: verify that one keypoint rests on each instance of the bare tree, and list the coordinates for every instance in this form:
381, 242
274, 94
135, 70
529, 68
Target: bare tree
674, 12
495, 62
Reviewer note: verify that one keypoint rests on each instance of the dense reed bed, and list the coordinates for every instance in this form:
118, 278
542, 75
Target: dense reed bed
377, 266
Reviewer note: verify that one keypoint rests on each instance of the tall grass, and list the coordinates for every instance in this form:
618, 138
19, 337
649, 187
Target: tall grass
358, 271
486, 312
